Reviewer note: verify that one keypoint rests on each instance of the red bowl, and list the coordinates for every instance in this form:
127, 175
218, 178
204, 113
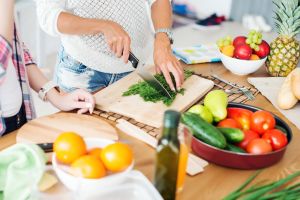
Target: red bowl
241, 160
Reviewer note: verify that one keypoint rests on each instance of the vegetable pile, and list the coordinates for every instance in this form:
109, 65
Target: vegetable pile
234, 129
276, 190
150, 94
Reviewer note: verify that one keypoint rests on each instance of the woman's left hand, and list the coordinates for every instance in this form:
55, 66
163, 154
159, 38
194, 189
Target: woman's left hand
78, 99
166, 63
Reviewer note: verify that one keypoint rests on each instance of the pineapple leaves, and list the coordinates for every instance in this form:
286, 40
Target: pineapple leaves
287, 17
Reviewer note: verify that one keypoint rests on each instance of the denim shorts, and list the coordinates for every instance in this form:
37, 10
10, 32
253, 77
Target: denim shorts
71, 75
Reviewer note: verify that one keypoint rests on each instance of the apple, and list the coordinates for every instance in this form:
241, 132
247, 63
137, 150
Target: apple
243, 52
239, 40
264, 49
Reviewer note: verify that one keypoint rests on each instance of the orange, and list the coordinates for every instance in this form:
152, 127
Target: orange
88, 166
69, 146
254, 57
228, 50
95, 152
116, 157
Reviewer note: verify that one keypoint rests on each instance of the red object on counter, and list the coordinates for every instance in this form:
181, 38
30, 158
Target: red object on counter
276, 138
242, 116
261, 121
248, 137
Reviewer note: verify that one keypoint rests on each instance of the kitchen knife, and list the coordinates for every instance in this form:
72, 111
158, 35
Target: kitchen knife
47, 147
148, 77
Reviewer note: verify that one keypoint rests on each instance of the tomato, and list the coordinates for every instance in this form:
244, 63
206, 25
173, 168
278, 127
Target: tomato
261, 121
248, 137
229, 123
259, 146
276, 138
242, 116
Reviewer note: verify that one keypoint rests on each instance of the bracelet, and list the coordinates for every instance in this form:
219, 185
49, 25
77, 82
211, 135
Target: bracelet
45, 89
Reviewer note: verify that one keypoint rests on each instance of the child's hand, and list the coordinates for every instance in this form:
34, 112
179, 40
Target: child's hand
78, 99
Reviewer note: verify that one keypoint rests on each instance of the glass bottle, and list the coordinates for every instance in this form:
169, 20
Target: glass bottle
167, 156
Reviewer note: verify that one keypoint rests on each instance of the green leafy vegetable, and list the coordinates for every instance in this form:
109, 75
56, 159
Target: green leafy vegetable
275, 190
149, 94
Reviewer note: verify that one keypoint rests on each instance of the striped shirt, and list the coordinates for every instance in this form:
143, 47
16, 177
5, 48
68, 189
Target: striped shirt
21, 58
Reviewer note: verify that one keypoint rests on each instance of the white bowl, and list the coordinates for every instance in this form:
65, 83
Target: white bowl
241, 67
76, 183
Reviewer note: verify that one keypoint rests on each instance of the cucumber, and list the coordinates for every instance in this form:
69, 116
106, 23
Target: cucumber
203, 130
232, 135
281, 129
233, 148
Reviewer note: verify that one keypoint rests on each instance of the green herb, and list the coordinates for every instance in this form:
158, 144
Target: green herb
273, 190
150, 94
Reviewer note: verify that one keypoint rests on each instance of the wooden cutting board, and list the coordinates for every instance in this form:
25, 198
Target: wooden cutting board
46, 129
110, 99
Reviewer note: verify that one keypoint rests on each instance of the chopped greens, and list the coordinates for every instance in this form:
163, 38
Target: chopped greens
150, 94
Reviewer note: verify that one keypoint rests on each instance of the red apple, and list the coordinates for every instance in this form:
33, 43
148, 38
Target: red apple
243, 52
239, 40
264, 49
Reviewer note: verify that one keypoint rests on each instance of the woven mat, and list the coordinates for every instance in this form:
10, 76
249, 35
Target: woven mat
238, 98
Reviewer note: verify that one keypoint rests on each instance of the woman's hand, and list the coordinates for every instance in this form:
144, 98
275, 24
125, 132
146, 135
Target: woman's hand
78, 99
166, 63
117, 39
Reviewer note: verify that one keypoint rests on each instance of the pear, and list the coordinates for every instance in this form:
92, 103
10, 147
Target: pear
216, 101
203, 112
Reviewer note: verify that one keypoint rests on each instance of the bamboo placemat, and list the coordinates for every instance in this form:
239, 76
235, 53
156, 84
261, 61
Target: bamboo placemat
238, 98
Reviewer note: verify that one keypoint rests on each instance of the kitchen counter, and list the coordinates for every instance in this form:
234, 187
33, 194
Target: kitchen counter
216, 181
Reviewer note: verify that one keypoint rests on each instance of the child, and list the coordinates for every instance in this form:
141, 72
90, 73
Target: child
18, 71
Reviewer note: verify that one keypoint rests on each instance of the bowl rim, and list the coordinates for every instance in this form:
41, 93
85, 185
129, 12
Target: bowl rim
56, 165
261, 59
234, 104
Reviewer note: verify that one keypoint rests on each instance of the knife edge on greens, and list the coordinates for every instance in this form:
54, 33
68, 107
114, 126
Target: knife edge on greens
148, 93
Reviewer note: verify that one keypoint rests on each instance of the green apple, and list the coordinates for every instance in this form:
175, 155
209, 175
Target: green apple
203, 112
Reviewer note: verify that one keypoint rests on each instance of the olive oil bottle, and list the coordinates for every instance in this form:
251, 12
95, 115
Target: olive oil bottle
167, 157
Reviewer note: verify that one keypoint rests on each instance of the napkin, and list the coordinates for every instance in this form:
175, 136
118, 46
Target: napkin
21, 168
198, 54
269, 87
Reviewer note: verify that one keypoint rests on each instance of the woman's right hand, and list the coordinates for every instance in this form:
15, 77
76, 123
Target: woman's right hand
117, 39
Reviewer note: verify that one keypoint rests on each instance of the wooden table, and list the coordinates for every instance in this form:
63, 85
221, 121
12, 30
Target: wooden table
215, 182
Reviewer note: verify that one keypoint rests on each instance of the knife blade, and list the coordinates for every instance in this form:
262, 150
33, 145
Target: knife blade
147, 76
47, 147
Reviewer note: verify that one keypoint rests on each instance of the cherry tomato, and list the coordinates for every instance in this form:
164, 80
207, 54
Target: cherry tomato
229, 123
259, 146
241, 115
276, 138
261, 121
248, 137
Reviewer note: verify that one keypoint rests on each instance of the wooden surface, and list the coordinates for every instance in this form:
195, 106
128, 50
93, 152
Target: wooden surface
46, 129
110, 99
216, 181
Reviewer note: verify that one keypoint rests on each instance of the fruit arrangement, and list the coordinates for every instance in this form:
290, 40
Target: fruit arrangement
285, 49
70, 149
234, 129
289, 93
252, 47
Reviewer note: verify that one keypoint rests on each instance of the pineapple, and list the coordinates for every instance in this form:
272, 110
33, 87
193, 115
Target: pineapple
285, 49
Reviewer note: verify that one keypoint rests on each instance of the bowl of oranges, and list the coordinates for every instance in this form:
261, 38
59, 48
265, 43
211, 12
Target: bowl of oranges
243, 55
89, 164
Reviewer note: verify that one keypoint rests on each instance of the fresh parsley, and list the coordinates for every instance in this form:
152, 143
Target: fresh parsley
149, 94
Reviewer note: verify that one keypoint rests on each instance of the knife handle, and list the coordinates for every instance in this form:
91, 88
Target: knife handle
134, 61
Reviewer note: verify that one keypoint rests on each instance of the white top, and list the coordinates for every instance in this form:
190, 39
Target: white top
92, 50
10, 92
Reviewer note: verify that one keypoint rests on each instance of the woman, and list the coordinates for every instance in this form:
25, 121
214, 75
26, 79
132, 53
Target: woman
98, 35
18, 72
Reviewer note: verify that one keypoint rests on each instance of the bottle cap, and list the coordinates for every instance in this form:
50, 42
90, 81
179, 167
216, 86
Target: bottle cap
171, 119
